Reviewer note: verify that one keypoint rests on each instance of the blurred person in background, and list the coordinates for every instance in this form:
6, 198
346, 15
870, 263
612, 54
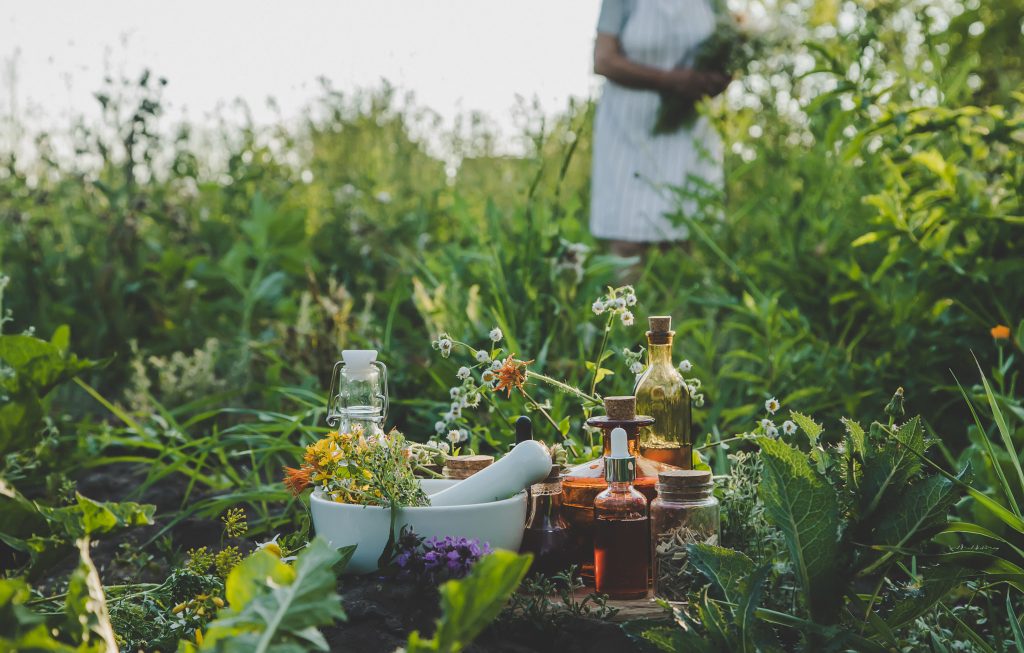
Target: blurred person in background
643, 49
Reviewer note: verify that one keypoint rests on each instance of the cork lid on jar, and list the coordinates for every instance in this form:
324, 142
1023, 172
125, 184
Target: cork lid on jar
685, 478
461, 467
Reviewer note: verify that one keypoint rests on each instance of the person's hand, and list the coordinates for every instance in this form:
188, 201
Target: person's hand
695, 84
716, 82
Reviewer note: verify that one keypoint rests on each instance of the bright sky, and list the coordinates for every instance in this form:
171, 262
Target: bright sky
457, 55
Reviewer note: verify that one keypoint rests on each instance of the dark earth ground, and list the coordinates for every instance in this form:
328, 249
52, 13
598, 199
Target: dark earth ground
381, 613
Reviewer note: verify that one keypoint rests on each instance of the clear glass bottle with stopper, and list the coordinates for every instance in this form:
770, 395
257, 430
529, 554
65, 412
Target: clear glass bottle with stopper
621, 528
358, 396
661, 393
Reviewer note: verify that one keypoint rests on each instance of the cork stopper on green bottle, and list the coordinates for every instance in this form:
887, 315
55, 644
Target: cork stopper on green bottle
660, 332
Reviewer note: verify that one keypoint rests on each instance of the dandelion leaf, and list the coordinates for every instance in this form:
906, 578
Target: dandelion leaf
811, 428
802, 504
274, 607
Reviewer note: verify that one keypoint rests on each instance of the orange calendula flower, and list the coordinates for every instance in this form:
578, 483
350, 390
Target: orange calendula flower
1000, 332
511, 374
297, 480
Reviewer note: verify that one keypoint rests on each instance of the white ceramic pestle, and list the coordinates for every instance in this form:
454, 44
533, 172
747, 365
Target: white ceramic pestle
529, 462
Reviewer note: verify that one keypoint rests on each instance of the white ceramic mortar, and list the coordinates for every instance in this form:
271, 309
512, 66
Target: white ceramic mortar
499, 523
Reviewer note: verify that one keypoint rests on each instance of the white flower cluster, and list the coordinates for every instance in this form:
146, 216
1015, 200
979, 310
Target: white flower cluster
443, 344
767, 425
617, 302
634, 360
469, 392
693, 389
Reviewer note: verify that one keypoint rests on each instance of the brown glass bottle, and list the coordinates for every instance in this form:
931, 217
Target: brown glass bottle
547, 532
661, 393
582, 483
621, 528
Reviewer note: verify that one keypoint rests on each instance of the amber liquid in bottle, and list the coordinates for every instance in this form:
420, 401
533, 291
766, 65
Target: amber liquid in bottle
621, 542
578, 493
661, 393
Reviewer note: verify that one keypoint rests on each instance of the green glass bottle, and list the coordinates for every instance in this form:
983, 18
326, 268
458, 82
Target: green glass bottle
661, 393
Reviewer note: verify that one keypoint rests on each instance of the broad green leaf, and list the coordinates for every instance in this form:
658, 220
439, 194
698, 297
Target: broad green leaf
888, 466
90, 517
856, 433
38, 366
86, 604
725, 568
274, 607
805, 508
471, 604
811, 428
916, 512
937, 582
251, 576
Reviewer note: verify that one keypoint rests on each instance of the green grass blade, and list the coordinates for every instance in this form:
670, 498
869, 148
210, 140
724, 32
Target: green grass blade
1004, 486
1004, 430
1018, 636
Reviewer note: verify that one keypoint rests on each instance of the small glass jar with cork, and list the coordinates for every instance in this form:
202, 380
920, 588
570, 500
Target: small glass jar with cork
685, 512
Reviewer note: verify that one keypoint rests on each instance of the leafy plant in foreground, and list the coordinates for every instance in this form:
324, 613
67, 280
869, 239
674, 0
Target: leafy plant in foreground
471, 604
856, 517
273, 606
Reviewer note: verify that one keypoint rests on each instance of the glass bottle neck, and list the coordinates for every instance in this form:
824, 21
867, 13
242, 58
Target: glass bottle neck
660, 354
620, 487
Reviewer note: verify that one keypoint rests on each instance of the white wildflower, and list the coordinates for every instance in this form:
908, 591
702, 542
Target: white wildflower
630, 299
445, 345
627, 318
456, 410
454, 392
496, 334
439, 427
766, 424
685, 366
488, 377
772, 405
483, 356
788, 427
455, 436
463, 373
619, 303
384, 197
496, 365
637, 367
771, 432
598, 307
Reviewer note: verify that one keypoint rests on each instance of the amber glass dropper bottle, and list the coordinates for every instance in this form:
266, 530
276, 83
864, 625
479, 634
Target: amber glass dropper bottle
621, 530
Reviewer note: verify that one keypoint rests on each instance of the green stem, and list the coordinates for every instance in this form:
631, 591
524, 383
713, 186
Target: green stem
718, 442
565, 387
600, 352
